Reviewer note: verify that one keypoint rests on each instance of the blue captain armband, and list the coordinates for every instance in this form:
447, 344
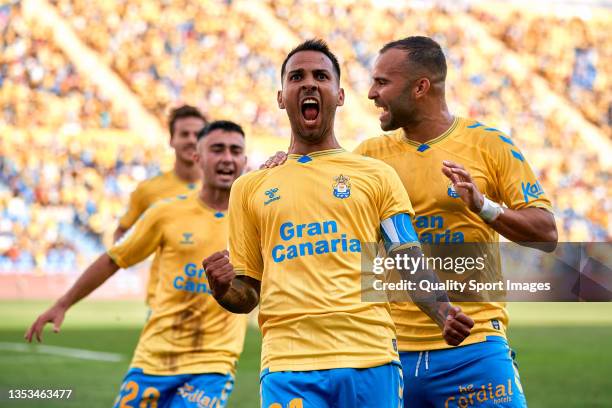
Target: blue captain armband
398, 232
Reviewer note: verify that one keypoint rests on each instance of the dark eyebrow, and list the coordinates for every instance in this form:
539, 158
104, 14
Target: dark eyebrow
231, 146
321, 71
295, 71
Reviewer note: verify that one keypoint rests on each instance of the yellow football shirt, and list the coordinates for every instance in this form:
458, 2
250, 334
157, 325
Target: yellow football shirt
165, 185
500, 171
299, 229
187, 332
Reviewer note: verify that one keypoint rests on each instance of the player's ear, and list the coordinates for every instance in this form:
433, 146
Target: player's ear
279, 99
422, 86
200, 150
340, 97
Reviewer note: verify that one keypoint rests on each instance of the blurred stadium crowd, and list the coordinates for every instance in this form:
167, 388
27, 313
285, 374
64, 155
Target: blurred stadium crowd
68, 159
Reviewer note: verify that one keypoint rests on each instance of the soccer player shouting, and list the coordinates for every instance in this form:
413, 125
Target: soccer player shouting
458, 204
188, 349
296, 235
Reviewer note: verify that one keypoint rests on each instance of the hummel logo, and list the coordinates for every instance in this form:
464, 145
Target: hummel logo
271, 193
187, 238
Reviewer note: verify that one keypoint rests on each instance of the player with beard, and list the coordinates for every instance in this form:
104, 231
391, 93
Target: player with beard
481, 167
188, 349
184, 123
296, 236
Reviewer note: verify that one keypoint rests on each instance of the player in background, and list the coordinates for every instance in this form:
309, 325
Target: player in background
184, 123
456, 171
296, 236
188, 349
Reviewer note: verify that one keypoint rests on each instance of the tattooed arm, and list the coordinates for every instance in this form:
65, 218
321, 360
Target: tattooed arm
455, 325
237, 294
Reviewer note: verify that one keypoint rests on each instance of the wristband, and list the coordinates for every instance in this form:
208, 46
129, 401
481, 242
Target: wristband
490, 210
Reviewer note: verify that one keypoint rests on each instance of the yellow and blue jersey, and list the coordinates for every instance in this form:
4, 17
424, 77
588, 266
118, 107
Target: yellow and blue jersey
299, 229
501, 172
165, 185
187, 332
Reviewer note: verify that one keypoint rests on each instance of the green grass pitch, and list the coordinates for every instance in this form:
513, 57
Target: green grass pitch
563, 353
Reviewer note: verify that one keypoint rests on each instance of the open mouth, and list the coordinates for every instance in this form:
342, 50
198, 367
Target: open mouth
385, 112
310, 109
225, 172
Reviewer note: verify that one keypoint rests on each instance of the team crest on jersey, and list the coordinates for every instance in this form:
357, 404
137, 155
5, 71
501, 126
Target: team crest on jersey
451, 190
342, 187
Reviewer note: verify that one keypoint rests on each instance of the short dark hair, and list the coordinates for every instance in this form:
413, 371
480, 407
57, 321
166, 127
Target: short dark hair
422, 51
185, 111
313, 45
225, 125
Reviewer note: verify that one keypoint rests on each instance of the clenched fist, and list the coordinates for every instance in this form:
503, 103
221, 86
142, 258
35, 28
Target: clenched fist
457, 326
219, 272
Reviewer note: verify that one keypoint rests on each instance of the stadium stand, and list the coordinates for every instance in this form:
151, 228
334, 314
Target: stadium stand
68, 157
568, 52
40, 86
65, 187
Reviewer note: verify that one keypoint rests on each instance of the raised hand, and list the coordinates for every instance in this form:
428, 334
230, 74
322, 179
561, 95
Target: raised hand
464, 185
276, 160
219, 272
